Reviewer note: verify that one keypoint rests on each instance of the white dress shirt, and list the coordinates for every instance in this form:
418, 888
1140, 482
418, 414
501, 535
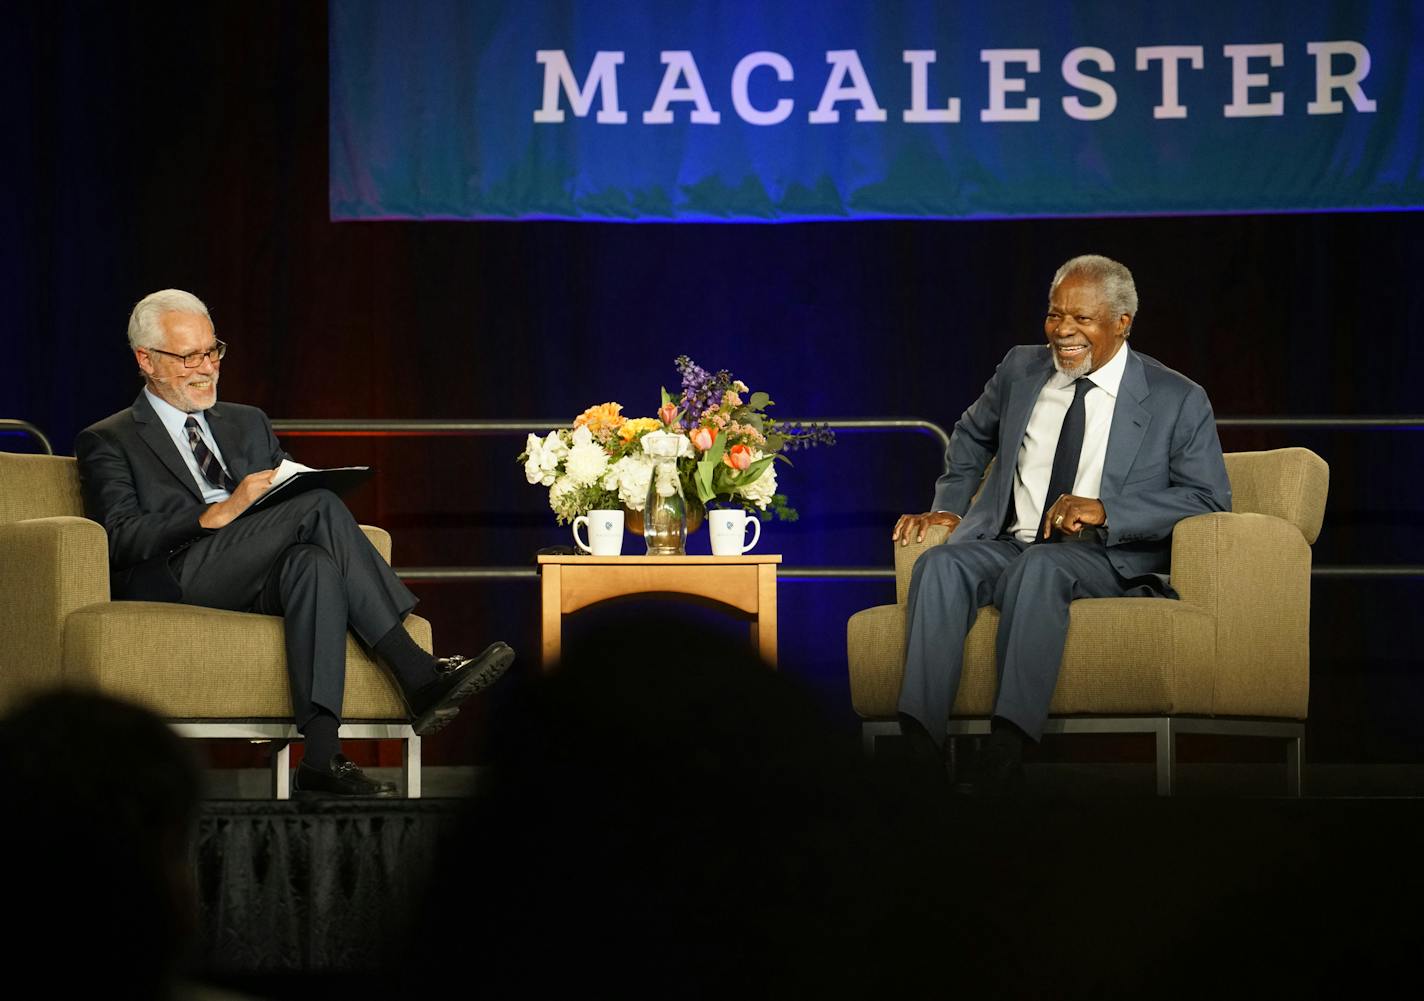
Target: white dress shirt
173, 420
1040, 441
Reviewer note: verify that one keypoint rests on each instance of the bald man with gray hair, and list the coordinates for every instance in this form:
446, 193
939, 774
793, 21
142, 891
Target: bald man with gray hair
172, 479
1097, 452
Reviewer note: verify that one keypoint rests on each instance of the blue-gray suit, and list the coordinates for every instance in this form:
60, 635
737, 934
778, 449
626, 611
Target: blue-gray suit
1163, 464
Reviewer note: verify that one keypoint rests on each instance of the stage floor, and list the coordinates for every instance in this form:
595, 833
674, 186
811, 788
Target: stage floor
1091, 780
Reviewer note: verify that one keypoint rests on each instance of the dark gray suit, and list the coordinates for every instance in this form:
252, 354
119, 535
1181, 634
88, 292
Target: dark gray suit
304, 558
1163, 464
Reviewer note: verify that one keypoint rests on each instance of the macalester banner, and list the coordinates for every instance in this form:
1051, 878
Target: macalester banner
765, 111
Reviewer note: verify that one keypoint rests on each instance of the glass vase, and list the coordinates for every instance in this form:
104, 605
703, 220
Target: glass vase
665, 513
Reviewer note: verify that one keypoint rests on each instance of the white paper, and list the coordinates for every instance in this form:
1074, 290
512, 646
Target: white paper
287, 470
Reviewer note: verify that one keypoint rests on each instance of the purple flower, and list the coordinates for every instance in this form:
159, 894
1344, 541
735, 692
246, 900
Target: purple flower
700, 389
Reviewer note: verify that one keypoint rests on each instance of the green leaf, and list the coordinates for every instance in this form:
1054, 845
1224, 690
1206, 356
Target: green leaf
774, 442
666, 398
707, 467
759, 401
750, 474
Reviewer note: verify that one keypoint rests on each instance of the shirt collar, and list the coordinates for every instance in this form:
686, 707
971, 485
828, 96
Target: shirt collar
1108, 378
173, 419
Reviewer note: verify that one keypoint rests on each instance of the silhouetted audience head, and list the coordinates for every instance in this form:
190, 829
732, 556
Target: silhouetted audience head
103, 808
668, 817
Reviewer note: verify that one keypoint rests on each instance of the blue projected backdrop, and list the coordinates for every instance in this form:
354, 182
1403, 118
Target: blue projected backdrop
642, 110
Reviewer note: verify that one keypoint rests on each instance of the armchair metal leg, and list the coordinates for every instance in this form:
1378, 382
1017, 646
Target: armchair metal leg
282, 770
410, 767
1166, 756
1295, 764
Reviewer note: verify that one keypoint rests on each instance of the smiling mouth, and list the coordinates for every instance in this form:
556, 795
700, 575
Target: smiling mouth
1070, 349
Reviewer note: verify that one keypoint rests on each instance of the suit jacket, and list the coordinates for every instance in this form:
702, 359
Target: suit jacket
136, 485
1163, 459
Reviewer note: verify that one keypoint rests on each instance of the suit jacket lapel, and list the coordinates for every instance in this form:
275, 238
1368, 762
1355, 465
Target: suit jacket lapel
228, 442
1129, 425
1018, 408
1023, 394
156, 437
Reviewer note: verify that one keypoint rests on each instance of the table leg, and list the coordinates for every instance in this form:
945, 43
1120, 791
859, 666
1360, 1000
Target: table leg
551, 605
764, 628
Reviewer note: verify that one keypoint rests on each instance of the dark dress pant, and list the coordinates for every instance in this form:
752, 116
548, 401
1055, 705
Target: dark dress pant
1032, 586
307, 560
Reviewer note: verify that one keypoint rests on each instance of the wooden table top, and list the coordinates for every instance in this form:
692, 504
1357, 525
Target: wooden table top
587, 560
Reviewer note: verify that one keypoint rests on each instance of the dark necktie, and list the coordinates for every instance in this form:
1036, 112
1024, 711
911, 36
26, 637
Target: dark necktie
212, 469
1066, 455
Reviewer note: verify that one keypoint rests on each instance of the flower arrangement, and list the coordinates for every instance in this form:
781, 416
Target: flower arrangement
726, 456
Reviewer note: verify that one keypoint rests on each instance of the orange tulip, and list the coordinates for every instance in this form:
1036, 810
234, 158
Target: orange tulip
667, 413
738, 457
702, 438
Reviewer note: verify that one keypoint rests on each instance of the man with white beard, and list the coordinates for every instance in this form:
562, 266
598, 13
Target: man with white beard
1101, 452
170, 477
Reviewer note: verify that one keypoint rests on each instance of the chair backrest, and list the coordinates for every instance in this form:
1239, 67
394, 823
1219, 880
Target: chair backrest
1289, 483
38, 486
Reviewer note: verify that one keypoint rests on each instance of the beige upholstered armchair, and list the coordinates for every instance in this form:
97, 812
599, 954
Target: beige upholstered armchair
1231, 657
60, 628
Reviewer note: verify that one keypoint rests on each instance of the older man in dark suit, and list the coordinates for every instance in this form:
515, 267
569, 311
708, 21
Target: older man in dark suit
170, 479
1100, 452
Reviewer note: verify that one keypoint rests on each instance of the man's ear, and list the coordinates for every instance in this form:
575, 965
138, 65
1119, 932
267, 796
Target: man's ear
145, 364
1124, 326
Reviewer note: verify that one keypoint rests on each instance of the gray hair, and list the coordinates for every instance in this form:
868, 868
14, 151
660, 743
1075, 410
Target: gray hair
144, 329
1113, 278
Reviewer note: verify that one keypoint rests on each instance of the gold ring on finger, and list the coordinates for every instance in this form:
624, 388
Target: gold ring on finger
1058, 520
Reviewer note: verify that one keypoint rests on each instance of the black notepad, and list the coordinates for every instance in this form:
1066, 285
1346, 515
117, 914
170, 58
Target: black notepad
338, 480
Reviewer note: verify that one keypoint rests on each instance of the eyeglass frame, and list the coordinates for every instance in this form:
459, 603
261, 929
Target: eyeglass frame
220, 347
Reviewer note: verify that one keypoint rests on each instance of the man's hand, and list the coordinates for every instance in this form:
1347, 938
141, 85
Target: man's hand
915, 524
1070, 515
253, 486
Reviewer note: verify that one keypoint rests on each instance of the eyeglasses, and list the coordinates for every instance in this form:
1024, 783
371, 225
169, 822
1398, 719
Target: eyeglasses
193, 359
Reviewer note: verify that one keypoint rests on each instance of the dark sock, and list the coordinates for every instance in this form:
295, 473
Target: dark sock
918, 739
412, 666
322, 742
1003, 733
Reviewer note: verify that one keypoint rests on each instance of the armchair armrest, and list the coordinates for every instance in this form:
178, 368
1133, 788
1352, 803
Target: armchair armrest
905, 557
381, 539
48, 568
1251, 573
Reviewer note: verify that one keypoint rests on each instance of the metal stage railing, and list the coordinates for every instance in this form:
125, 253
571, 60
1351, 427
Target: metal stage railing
9, 425
420, 428
890, 424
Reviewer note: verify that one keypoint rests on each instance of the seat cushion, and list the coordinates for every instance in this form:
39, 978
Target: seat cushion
1123, 656
150, 652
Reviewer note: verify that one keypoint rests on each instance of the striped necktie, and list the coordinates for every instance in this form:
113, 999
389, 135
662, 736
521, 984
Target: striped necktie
211, 468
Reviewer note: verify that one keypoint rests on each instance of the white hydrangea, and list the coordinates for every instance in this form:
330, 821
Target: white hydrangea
668, 482
587, 460
760, 490
630, 476
542, 466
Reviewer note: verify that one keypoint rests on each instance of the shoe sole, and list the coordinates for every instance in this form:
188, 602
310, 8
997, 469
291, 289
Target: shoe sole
438, 717
325, 794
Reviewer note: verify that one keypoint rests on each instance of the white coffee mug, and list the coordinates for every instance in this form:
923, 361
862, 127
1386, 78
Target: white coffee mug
729, 532
605, 532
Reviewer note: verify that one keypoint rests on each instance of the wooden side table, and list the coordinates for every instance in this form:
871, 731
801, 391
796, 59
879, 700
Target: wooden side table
746, 583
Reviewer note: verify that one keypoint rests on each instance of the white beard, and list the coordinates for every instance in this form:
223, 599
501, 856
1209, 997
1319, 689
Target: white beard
1078, 371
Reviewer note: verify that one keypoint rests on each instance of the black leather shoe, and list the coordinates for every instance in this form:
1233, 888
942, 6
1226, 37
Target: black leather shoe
998, 774
341, 777
434, 705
